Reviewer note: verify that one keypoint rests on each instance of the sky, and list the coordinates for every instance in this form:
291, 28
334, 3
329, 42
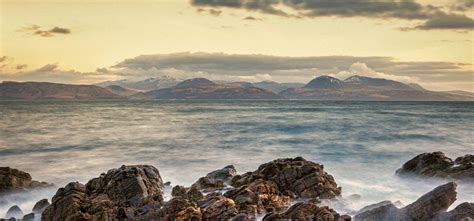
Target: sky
429, 42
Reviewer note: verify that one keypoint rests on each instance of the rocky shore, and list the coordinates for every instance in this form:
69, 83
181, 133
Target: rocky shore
283, 189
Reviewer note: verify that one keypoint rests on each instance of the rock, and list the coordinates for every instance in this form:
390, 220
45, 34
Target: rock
217, 208
66, 203
296, 176
29, 217
225, 174
426, 207
17, 180
194, 195
436, 164
206, 183
128, 185
178, 191
40, 206
178, 208
305, 211
464, 211
258, 197
120, 193
14, 212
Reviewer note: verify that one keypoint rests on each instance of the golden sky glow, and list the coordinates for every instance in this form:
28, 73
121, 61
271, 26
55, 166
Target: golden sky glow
106, 32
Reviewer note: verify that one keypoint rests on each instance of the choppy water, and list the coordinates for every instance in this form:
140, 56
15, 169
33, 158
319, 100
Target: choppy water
360, 143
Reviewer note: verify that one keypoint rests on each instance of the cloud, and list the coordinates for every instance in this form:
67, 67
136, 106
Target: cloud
362, 69
406, 9
52, 73
447, 22
251, 18
3, 58
36, 30
292, 69
432, 16
210, 11
21, 66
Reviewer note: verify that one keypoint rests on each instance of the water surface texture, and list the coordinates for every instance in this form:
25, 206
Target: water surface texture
360, 143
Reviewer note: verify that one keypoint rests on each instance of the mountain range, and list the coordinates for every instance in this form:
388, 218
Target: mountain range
320, 88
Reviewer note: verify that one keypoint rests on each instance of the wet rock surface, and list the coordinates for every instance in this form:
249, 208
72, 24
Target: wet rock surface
17, 180
294, 176
119, 193
427, 207
283, 189
436, 164
14, 212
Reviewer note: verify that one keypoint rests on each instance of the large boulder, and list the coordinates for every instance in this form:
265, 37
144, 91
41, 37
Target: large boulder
17, 180
66, 203
436, 164
294, 176
128, 185
259, 197
119, 194
305, 211
426, 207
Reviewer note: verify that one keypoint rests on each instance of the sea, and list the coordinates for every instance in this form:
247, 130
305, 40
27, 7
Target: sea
361, 144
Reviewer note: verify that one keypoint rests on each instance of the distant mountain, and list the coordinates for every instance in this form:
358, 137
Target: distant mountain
275, 86
121, 90
41, 90
460, 93
201, 88
324, 82
144, 85
366, 88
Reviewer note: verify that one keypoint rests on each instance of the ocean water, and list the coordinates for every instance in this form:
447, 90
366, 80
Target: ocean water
360, 143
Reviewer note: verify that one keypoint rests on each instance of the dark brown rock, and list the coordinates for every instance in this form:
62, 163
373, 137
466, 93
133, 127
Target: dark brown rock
40, 206
258, 197
17, 180
426, 207
178, 208
119, 194
241, 217
436, 164
66, 204
178, 191
305, 211
217, 208
225, 174
296, 176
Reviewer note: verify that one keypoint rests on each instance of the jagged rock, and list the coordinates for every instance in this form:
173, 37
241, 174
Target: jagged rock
194, 194
14, 212
29, 217
258, 197
178, 191
464, 211
217, 208
225, 174
130, 185
426, 207
40, 206
120, 193
206, 183
178, 208
66, 203
436, 164
17, 180
294, 176
305, 211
